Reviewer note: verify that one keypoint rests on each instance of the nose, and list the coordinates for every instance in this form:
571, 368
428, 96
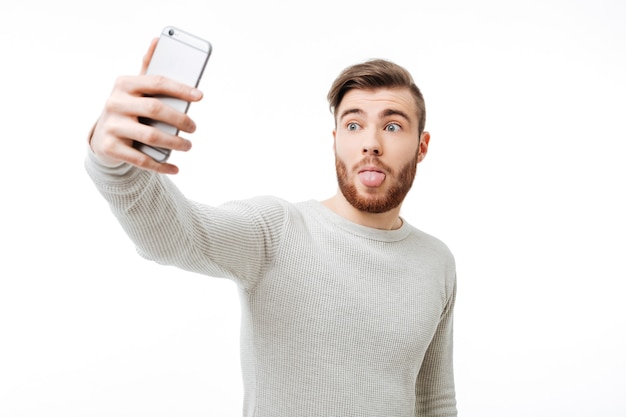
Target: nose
372, 142
372, 150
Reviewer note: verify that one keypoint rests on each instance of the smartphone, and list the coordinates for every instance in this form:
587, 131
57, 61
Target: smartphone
180, 56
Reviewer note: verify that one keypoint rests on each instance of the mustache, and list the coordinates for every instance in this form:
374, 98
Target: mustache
372, 161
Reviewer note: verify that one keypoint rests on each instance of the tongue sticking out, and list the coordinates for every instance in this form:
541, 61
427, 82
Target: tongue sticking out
371, 178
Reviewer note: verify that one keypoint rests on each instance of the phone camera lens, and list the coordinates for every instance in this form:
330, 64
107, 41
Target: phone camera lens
171, 32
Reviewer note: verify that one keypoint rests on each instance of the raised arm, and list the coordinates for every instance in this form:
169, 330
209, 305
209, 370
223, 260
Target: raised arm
235, 241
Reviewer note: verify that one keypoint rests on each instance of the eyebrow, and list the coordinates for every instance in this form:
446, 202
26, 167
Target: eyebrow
392, 112
384, 113
350, 111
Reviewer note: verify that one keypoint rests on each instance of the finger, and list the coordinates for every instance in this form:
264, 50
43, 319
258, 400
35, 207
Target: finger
151, 108
150, 136
139, 159
114, 129
111, 148
148, 56
156, 109
153, 85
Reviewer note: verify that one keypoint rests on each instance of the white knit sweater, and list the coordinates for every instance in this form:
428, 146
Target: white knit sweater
338, 319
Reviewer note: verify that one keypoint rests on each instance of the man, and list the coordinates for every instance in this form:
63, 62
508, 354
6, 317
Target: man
346, 308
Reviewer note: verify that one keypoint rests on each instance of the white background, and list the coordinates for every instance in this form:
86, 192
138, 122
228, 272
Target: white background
524, 181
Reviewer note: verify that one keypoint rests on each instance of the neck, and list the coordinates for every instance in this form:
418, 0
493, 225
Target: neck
389, 220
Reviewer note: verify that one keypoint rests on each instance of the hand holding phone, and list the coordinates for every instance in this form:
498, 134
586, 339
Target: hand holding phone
182, 57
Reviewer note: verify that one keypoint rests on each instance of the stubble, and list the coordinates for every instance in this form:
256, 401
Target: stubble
374, 202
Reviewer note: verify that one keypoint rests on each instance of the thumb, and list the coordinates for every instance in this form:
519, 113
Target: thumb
148, 56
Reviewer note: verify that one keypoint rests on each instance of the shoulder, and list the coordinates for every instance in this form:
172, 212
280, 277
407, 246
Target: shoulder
434, 253
426, 241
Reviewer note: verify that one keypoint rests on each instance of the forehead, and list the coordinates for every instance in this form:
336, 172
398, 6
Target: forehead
377, 100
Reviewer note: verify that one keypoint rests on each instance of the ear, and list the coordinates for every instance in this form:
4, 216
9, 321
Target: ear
334, 140
423, 147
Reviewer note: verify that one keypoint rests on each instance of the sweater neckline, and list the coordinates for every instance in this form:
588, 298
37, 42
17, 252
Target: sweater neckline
363, 231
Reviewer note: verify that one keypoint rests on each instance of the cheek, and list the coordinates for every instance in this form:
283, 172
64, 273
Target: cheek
346, 148
403, 156
412, 150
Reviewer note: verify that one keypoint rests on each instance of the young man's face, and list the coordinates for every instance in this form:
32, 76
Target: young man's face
376, 147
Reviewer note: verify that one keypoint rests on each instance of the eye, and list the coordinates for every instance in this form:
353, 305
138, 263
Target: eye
393, 127
352, 126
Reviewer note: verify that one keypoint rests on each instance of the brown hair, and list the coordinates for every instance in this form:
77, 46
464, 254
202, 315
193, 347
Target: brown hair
376, 73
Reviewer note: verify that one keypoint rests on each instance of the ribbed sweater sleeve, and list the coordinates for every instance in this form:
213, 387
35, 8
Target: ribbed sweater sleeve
435, 392
237, 240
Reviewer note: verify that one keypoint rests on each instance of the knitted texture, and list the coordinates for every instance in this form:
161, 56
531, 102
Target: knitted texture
338, 319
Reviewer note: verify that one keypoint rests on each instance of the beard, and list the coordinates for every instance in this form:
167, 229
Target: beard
370, 202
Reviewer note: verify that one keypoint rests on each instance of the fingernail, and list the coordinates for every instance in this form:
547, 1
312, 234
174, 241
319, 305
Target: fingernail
195, 93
